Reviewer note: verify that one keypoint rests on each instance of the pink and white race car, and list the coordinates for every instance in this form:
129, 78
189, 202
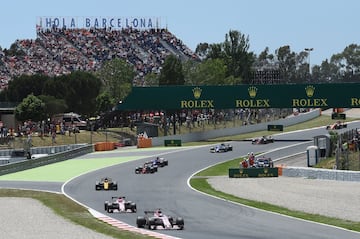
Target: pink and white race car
119, 204
157, 220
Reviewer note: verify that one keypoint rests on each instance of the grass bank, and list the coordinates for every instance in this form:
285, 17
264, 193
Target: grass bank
70, 210
221, 169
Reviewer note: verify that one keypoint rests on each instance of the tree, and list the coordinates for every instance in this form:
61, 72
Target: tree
31, 108
53, 105
20, 87
235, 54
287, 63
202, 50
80, 96
210, 72
347, 63
172, 72
104, 102
151, 79
238, 59
117, 77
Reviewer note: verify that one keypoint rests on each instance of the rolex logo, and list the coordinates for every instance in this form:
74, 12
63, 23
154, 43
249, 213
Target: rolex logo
197, 92
310, 90
266, 170
252, 91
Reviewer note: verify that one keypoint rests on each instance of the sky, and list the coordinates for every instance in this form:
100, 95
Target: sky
327, 26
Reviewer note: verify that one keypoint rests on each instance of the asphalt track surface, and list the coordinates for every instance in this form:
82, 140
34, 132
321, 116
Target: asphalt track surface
205, 217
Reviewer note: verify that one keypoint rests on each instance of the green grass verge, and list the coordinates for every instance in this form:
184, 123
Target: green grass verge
70, 210
202, 185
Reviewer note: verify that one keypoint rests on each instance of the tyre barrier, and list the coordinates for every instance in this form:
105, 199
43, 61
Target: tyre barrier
105, 146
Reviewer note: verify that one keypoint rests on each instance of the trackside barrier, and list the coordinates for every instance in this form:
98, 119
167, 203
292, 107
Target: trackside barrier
253, 172
40, 150
104, 146
172, 142
52, 158
216, 133
144, 143
320, 173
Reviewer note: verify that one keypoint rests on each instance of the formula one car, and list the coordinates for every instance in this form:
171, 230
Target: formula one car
154, 219
263, 140
160, 162
148, 167
337, 125
119, 204
264, 162
221, 148
106, 184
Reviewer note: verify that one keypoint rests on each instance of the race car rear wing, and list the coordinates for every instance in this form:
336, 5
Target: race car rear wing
149, 212
118, 197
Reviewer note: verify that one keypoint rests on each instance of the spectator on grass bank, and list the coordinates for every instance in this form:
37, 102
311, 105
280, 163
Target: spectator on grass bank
53, 137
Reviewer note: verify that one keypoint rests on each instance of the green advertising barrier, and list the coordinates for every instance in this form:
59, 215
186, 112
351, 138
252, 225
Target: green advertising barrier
275, 127
243, 96
338, 116
172, 142
253, 172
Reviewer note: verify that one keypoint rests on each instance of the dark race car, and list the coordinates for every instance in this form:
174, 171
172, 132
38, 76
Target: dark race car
337, 125
221, 148
148, 167
160, 162
264, 162
263, 140
119, 204
106, 184
157, 220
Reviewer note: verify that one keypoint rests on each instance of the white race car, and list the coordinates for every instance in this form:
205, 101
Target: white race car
156, 219
119, 204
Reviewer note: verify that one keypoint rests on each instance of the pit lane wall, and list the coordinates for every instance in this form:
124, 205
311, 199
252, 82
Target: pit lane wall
319, 173
199, 136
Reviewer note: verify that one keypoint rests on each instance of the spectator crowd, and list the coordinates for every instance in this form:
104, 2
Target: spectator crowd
57, 51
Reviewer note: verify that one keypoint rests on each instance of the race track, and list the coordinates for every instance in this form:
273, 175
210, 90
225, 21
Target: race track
205, 216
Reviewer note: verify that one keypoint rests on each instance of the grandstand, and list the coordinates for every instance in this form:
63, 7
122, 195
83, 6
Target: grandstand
59, 51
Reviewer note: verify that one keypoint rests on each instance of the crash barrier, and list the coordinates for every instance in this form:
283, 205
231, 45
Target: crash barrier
4, 161
104, 146
217, 133
320, 173
144, 142
39, 150
275, 127
49, 159
253, 172
280, 169
172, 142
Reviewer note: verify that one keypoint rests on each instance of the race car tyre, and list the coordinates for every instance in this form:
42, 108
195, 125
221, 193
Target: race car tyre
180, 223
106, 205
140, 221
151, 224
133, 207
